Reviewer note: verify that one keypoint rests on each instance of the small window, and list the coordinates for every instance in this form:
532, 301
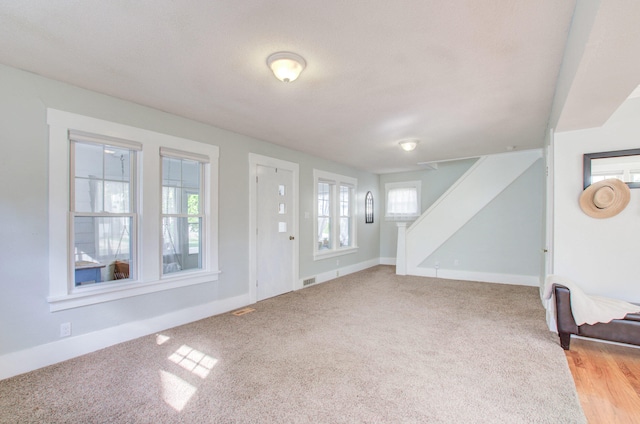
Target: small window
403, 200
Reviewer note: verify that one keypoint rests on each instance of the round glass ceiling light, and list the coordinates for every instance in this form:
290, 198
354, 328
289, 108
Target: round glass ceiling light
409, 144
286, 66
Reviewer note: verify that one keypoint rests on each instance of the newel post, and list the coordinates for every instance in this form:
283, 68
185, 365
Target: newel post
401, 252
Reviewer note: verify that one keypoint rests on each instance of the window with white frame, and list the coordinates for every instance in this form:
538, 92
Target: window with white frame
335, 213
402, 200
103, 207
182, 217
131, 211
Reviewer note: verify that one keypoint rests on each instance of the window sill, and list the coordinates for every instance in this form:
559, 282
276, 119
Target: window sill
405, 218
84, 296
317, 256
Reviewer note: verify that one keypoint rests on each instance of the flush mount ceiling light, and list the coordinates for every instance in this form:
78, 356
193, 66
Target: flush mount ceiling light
286, 66
408, 145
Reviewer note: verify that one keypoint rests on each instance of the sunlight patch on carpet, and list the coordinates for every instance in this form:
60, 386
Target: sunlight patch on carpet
160, 339
175, 391
193, 360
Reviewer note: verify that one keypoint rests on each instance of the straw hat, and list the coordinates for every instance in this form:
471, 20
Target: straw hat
605, 198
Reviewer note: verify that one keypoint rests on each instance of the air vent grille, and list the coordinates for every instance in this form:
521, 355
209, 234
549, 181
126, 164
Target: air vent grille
309, 281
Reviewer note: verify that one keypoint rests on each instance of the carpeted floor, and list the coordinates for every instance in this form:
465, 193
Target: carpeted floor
369, 347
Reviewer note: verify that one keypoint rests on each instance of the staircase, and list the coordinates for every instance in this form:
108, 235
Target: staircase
485, 180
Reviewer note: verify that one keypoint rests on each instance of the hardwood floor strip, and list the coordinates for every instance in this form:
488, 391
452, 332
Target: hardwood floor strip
607, 379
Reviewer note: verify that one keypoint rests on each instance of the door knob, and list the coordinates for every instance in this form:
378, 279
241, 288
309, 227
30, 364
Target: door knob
291, 237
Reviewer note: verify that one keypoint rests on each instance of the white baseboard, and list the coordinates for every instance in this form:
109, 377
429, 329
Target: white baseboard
485, 277
30, 359
340, 272
387, 261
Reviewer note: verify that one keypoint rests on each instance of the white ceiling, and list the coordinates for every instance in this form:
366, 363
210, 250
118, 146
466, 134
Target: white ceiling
466, 77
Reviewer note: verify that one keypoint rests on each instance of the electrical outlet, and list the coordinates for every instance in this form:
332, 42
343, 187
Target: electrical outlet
65, 329
456, 262
338, 262
437, 265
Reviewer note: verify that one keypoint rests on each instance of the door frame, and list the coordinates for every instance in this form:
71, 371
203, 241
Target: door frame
254, 161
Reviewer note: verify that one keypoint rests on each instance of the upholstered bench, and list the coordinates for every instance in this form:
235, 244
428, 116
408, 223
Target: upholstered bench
625, 330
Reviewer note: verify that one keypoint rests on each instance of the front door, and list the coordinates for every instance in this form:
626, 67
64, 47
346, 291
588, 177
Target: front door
275, 232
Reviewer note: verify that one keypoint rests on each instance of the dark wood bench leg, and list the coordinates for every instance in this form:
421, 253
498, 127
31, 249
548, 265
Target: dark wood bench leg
565, 340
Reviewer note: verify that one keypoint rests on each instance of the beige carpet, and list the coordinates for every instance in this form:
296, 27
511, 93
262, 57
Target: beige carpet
369, 347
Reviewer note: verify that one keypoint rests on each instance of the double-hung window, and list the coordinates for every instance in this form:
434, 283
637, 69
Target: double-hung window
402, 201
335, 211
131, 211
182, 213
103, 207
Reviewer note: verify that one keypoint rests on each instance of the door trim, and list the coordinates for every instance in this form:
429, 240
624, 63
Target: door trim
254, 161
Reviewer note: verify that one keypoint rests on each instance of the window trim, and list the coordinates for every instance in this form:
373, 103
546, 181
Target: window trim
417, 184
336, 180
62, 294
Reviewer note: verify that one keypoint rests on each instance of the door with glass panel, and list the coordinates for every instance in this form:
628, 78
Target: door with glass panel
275, 232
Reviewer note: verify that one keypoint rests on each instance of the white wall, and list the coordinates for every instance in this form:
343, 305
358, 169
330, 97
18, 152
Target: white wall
25, 320
601, 255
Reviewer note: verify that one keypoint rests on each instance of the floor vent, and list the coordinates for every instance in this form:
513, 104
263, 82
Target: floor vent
308, 281
240, 312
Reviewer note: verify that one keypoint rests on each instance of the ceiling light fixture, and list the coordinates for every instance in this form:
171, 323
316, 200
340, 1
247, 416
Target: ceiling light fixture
408, 145
286, 66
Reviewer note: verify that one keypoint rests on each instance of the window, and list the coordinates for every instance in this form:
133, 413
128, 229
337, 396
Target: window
129, 214
182, 215
346, 197
334, 214
403, 200
102, 207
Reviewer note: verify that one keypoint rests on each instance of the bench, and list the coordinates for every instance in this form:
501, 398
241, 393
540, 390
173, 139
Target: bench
625, 330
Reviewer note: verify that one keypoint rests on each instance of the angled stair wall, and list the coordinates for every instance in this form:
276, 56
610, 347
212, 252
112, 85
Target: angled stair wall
485, 180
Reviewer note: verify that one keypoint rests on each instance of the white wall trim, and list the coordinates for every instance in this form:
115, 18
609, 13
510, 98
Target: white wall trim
30, 359
484, 277
387, 261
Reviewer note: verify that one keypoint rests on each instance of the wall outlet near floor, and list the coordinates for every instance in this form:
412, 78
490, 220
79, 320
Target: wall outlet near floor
456, 262
65, 329
436, 265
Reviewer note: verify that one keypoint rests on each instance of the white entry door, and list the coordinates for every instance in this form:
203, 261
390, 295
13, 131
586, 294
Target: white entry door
275, 231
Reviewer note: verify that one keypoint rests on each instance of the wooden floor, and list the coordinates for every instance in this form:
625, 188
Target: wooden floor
607, 379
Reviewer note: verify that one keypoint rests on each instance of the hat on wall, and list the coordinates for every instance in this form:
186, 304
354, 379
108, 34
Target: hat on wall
605, 198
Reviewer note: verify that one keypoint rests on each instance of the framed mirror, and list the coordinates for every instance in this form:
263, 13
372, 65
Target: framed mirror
621, 164
368, 208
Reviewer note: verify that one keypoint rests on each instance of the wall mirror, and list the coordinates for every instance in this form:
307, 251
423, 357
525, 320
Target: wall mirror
621, 164
368, 208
